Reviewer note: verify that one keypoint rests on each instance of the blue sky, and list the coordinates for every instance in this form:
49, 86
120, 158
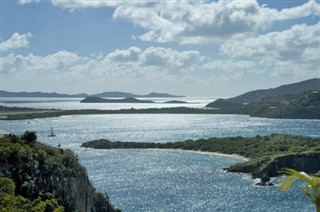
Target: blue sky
196, 48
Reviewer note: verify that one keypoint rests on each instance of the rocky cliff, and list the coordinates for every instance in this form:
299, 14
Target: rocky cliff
308, 162
38, 169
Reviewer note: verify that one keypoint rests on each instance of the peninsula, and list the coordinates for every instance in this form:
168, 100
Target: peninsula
267, 154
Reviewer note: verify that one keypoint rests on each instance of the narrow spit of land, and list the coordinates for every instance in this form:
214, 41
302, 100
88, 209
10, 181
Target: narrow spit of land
16, 113
266, 155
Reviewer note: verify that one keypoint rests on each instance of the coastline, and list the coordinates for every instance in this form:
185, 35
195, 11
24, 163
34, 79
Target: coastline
239, 157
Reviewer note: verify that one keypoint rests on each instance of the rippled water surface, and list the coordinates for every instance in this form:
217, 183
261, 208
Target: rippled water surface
151, 180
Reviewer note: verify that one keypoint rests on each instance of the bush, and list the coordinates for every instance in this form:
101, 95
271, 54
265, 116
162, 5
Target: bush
29, 137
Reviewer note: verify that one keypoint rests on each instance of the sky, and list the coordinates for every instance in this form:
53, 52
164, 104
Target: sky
194, 48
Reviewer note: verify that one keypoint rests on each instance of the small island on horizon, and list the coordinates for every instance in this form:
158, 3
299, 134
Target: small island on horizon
94, 99
109, 94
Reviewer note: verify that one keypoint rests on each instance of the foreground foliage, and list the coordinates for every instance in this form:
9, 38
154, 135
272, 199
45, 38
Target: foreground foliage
37, 177
311, 189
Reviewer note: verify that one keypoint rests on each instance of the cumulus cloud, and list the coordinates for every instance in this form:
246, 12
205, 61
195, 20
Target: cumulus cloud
203, 21
126, 62
284, 45
156, 56
16, 41
128, 55
30, 63
230, 69
195, 21
293, 52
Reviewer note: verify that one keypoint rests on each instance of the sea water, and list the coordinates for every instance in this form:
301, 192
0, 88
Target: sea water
153, 180
149, 180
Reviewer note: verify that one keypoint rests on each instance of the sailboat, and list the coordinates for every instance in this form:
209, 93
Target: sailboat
52, 133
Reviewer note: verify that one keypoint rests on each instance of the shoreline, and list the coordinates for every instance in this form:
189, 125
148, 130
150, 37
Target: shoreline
235, 156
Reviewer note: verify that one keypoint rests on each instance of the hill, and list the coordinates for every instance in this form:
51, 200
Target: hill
304, 105
37, 177
294, 88
296, 101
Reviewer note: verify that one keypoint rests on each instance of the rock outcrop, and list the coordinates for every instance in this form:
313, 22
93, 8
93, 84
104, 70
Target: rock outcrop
271, 167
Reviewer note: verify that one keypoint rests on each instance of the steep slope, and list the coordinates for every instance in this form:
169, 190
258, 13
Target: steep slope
37, 170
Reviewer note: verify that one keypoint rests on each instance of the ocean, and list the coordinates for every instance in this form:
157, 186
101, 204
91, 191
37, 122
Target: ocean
153, 180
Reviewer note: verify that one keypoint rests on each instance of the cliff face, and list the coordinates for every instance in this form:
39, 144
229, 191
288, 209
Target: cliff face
37, 169
307, 162
271, 167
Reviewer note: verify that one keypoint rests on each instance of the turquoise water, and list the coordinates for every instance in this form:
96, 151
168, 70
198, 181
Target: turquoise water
150, 180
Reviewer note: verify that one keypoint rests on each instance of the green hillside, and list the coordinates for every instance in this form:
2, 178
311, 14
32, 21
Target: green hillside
37, 177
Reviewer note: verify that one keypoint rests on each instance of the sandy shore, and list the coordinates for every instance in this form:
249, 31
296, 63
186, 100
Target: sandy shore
204, 153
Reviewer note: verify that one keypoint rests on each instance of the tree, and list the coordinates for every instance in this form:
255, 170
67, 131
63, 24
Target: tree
311, 190
29, 137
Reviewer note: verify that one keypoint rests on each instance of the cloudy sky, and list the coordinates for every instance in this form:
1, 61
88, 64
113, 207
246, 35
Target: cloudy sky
195, 48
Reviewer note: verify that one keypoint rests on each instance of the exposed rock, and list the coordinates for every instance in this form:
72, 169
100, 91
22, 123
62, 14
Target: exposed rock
271, 167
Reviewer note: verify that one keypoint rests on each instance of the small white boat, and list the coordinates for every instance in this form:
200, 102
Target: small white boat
52, 133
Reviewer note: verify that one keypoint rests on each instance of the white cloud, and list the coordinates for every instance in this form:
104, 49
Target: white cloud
135, 69
194, 22
129, 55
288, 44
76, 4
131, 62
22, 2
126, 69
155, 56
16, 41
30, 63
230, 69
162, 57
294, 51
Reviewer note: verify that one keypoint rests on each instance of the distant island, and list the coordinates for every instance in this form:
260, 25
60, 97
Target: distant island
112, 94
94, 99
267, 155
176, 102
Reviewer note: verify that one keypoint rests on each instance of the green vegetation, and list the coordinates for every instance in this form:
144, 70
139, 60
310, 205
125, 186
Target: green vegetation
291, 89
311, 190
32, 114
36, 177
267, 154
304, 105
11, 202
252, 147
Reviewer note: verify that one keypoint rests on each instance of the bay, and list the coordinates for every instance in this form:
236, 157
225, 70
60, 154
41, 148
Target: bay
150, 180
